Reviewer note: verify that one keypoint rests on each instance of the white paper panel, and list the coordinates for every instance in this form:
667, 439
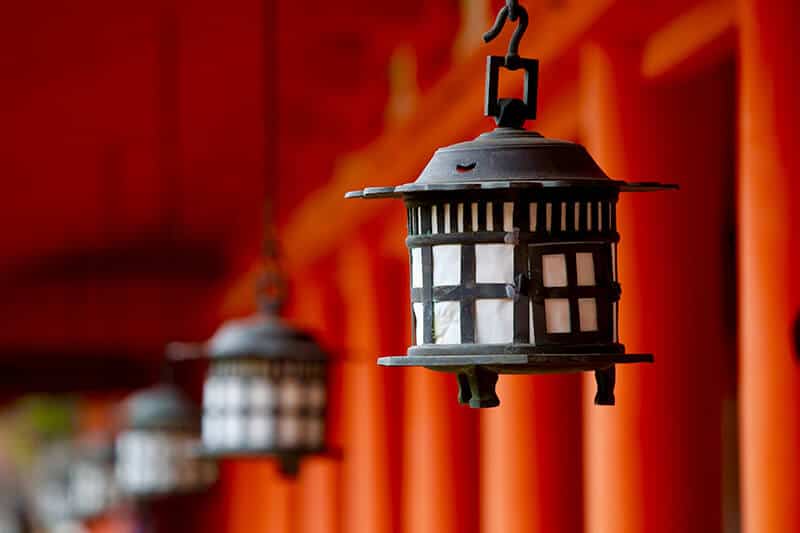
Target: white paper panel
460, 218
291, 393
447, 228
234, 430
494, 321
587, 311
533, 209
447, 322
316, 394
420, 329
474, 211
577, 215
563, 216
289, 433
446, 265
585, 263
589, 216
489, 216
599, 216
234, 393
262, 393
261, 430
508, 216
554, 270
531, 329
494, 263
548, 217
556, 312
419, 220
213, 394
315, 432
434, 220
416, 267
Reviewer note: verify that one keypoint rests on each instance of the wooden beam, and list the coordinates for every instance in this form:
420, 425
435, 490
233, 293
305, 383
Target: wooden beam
700, 36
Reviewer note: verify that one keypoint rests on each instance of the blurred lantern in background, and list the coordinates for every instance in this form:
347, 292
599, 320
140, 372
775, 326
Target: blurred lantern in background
265, 391
513, 246
157, 446
73, 481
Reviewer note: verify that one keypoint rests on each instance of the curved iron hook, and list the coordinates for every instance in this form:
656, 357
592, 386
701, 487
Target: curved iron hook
513, 11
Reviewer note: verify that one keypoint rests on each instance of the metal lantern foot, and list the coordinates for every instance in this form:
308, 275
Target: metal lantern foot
476, 387
606, 379
289, 465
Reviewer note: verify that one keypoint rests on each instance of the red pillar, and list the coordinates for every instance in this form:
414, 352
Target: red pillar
440, 473
653, 462
531, 456
369, 427
769, 265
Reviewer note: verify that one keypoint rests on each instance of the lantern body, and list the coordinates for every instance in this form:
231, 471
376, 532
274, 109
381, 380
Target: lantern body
512, 243
152, 462
73, 481
255, 405
157, 446
515, 272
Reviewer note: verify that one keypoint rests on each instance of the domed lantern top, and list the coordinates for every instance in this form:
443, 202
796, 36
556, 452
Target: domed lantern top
157, 445
513, 246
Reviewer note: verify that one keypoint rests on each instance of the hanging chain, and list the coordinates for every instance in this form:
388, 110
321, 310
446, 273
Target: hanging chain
514, 12
271, 287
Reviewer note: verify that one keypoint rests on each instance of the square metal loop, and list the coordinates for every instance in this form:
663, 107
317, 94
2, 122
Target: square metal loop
530, 90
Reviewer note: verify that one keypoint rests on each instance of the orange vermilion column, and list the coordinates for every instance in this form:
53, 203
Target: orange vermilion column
531, 456
653, 461
769, 259
440, 474
368, 483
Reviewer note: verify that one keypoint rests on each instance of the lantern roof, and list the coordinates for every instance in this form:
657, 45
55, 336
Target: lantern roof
264, 336
162, 407
508, 158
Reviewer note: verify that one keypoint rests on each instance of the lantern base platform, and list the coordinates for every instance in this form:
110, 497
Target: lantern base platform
477, 374
288, 460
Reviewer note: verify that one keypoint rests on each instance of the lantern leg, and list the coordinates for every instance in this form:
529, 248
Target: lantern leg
476, 387
464, 391
606, 379
289, 465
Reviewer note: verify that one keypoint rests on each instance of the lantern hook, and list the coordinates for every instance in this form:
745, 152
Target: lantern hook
512, 11
271, 287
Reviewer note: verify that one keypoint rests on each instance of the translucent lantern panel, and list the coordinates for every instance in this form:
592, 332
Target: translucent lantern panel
587, 309
419, 322
585, 264
261, 393
316, 395
416, 267
446, 265
556, 311
494, 321
233, 430
508, 216
261, 430
289, 431
447, 322
315, 432
234, 393
214, 392
494, 263
554, 270
291, 393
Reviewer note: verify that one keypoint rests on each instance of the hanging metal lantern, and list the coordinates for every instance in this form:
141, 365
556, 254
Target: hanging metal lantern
157, 446
73, 481
265, 392
513, 250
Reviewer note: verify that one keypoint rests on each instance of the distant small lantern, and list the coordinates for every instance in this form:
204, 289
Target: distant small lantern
157, 446
265, 391
73, 481
513, 250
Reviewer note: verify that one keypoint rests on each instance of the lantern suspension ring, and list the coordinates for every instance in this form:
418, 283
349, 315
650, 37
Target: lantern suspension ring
513, 12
